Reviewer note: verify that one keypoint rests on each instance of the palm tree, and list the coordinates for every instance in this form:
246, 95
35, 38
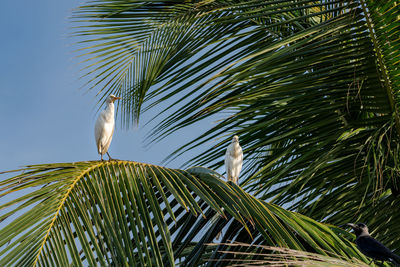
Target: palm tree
311, 88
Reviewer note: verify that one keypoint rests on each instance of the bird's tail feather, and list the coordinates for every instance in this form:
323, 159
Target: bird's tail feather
395, 259
395, 262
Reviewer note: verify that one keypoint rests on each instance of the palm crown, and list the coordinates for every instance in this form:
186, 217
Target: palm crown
311, 88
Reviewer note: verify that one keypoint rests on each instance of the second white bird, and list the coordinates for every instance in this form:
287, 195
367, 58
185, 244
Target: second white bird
233, 160
104, 128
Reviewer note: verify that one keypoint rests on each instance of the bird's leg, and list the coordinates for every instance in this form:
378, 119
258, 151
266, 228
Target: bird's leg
101, 157
109, 157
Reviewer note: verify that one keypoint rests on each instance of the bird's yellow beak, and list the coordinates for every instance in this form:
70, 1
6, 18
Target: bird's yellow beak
116, 98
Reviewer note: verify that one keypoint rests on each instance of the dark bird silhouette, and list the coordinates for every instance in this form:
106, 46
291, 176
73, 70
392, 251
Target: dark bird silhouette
371, 247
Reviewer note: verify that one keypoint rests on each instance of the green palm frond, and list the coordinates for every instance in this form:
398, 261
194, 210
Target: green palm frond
383, 21
311, 88
272, 226
133, 43
129, 213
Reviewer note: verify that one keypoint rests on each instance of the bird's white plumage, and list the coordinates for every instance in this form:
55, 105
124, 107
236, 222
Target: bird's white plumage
104, 127
233, 160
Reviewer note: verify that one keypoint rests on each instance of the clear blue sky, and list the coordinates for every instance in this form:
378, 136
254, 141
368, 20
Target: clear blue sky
45, 115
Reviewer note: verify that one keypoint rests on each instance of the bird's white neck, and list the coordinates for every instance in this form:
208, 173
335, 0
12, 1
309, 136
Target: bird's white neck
109, 111
110, 107
236, 148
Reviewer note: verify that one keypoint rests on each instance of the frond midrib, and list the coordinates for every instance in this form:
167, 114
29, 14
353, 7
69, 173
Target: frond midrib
383, 73
71, 187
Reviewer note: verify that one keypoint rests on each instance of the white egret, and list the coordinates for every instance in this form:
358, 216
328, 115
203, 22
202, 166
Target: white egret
104, 128
233, 160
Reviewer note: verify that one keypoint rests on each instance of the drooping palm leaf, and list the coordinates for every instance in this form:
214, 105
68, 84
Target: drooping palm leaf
311, 87
273, 226
129, 213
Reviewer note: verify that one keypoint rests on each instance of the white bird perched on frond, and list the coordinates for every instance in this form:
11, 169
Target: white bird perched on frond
104, 128
233, 160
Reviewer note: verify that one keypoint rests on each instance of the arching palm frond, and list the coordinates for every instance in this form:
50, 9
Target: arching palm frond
311, 88
127, 213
